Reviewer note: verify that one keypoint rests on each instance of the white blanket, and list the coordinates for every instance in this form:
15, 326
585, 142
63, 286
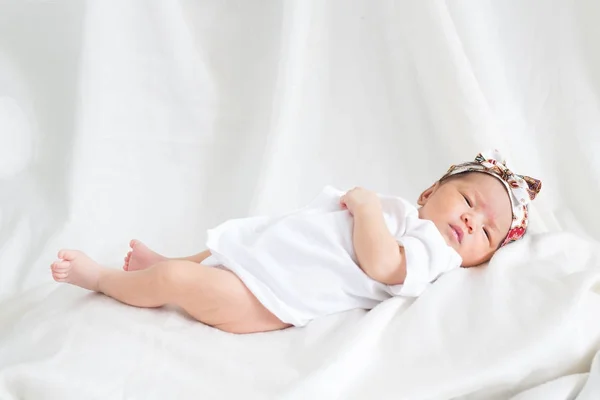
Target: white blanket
526, 319
158, 120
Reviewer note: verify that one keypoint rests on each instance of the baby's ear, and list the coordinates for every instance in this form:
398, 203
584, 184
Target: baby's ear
427, 194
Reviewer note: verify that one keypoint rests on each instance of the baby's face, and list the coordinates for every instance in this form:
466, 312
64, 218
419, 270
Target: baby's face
473, 213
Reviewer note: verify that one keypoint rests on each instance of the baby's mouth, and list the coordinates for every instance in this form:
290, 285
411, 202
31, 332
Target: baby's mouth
457, 232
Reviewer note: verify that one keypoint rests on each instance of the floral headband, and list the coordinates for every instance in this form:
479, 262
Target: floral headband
521, 189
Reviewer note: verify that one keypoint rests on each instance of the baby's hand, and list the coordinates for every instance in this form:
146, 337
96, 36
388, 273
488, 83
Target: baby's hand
359, 198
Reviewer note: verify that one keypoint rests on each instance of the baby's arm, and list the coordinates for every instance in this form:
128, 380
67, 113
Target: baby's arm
379, 254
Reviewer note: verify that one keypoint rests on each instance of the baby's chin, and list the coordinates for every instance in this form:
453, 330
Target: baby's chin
472, 262
451, 242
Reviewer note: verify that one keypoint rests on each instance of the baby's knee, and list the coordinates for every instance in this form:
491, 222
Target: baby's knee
172, 273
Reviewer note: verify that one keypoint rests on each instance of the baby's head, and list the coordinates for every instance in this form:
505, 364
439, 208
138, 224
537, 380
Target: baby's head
479, 206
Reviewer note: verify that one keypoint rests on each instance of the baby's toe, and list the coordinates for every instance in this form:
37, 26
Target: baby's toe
60, 275
62, 254
68, 255
60, 266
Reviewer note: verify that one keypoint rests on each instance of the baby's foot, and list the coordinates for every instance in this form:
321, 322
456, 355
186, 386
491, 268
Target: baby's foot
140, 257
76, 268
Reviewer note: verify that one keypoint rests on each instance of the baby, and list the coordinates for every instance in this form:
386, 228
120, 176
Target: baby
343, 251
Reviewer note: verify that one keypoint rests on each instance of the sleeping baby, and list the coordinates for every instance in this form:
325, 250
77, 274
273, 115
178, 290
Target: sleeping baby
342, 251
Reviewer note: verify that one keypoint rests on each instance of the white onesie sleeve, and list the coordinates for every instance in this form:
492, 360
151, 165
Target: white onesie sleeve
427, 254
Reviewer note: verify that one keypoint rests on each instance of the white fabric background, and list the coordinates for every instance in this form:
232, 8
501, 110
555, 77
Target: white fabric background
159, 119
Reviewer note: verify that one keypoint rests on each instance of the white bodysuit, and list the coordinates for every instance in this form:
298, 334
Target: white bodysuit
302, 265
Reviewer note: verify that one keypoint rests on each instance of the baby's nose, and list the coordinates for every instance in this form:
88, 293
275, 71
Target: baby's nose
470, 222
473, 221
467, 221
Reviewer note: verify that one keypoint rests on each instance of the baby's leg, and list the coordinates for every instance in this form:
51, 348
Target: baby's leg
141, 257
213, 296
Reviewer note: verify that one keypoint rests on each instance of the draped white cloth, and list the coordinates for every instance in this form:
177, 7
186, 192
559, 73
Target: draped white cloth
159, 119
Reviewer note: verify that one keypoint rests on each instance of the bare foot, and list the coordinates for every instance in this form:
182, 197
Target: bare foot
76, 268
141, 257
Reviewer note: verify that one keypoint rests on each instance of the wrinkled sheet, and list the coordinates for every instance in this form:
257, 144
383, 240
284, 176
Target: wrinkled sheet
582, 386
158, 120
